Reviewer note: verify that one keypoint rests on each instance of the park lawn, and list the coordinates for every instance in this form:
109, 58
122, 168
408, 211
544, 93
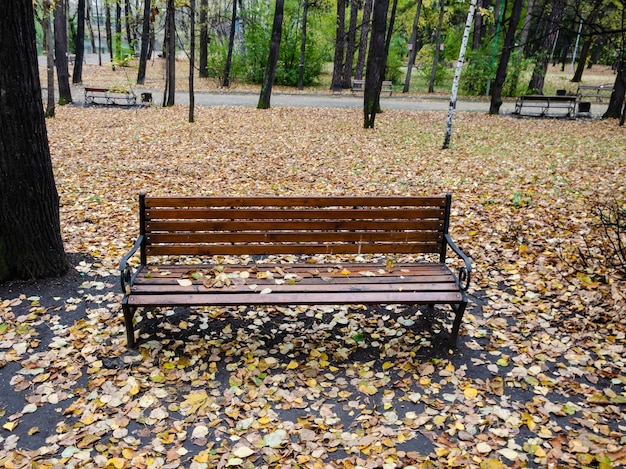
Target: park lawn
539, 376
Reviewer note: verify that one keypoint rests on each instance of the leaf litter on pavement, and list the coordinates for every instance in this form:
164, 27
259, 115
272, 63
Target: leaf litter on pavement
538, 379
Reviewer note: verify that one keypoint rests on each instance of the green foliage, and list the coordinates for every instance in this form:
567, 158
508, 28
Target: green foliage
517, 65
477, 71
395, 60
443, 72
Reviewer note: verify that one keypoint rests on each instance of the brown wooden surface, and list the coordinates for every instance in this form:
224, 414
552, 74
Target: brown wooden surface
314, 284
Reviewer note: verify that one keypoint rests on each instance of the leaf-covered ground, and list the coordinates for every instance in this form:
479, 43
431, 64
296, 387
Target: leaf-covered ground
538, 379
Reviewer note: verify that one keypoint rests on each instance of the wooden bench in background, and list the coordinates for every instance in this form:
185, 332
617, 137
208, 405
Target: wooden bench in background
358, 86
107, 96
293, 251
536, 105
597, 92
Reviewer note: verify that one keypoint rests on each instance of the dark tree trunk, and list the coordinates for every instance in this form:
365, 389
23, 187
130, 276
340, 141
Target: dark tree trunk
108, 28
375, 63
99, 36
192, 58
30, 230
305, 14
541, 66
203, 60
346, 80
413, 52
365, 29
340, 40
127, 16
92, 36
584, 53
231, 45
477, 37
170, 55
145, 43
272, 61
118, 30
614, 110
48, 27
77, 76
60, 53
433, 71
526, 27
509, 45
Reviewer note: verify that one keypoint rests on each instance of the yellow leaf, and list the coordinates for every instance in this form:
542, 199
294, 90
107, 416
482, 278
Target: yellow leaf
293, 364
11, 425
115, 463
470, 393
491, 463
439, 419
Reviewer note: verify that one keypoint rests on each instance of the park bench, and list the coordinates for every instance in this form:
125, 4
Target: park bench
597, 92
109, 96
232, 251
358, 86
535, 105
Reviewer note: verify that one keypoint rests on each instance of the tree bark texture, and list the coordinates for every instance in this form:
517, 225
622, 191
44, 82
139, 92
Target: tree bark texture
541, 66
375, 63
203, 59
192, 59
365, 29
170, 55
231, 46
346, 80
145, 43
305, 14
619, 92
60, 53
509, 45
272, 61
77, 76
340, 41
413, 53
48, 27
30, 233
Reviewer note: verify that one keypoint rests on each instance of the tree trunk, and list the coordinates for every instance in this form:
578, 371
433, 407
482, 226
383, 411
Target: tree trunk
30, 229
413, 52
92, 37
60, 53
127, 16
584, 53
509, 45
170, 55
614, 110
340, 40
203, 60
526, 27
77, 76
108, 28
375, 63
145, 43
231, 45
433, 72
365, 28
477, 37
457, 74
99, 35
305, 14
118, 30
48, 26
272, 61
541, 66
192, 57
346, 80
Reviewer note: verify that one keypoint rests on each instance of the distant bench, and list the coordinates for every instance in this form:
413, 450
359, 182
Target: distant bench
598, 92
546, 106
108, 96
393, 251
358, 86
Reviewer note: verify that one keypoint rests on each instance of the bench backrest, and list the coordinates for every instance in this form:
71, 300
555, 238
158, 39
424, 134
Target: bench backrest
293, 225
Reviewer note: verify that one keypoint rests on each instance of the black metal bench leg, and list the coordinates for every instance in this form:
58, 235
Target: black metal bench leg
129, 313
456, 325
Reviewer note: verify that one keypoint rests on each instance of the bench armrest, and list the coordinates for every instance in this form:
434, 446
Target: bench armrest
126, 271
465, 273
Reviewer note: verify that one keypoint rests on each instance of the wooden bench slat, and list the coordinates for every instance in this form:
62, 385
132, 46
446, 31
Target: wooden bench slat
287, 214
247, 202
261, 249
292, 225
325, 298
295, 237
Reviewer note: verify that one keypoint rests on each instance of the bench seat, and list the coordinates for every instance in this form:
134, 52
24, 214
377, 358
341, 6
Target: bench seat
234, 251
